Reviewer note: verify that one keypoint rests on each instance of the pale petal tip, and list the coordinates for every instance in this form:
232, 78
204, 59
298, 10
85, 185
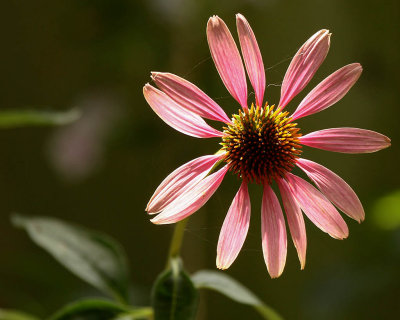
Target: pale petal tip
341, 237
150, 208
329, 35
359, 216
146, 88
213, 21
388, 142
275, 275
344, 234
325, 34
154, 74
302, 260
155, 221
222, 266
239, 16
158, 221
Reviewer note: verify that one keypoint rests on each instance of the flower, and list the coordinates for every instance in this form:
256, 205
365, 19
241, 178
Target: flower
260, 144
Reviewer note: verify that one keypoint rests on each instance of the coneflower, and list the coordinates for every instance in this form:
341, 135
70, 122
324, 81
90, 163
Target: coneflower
260, 144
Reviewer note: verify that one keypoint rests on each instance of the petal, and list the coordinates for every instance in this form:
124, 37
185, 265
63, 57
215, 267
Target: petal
179, 181
177, 117
252, 57
317, 208
329, 91
191, 200
273, 232
188, 96
295, 221
227, 59
334, 188
346, 140
234, 230
304, 65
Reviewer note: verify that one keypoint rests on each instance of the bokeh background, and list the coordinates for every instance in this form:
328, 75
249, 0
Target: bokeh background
100, 171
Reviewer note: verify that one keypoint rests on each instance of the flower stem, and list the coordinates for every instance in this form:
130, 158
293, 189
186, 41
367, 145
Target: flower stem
176, 241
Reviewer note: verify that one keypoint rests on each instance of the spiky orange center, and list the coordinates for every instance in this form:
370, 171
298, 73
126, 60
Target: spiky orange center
261, 144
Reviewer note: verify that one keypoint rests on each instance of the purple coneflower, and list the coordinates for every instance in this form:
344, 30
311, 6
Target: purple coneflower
260, 144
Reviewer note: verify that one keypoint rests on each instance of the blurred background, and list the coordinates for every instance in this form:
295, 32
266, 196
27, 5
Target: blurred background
100, 171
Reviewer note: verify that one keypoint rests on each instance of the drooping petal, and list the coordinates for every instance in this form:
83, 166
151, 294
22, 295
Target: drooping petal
179, 181
346, 140
273, 233
295, 221
304, 65
177, 117
317, 207
227, 59
191, 200
234, 230
329, 91
188, 96
252, 57
334, 188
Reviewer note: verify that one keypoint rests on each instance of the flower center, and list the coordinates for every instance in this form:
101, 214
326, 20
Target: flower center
261, 144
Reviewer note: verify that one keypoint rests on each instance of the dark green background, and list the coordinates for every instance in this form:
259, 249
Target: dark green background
97, 55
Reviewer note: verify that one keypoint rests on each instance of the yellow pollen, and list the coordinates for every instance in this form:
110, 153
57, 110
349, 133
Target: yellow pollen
261, 144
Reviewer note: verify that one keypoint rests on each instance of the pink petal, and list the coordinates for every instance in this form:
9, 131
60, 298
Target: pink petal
329, 91
346, 140
191, 200
177, 117
273, 232
179, 181
234, 229
252, 57
227, 59
317, 208
304, 65
334, 188
295, 221
188, 96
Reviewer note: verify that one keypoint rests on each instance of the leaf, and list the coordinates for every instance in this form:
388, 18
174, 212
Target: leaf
174, 296
136, 314
224, 284
90, 309
92, 256
23, 118
386, 211
15, 315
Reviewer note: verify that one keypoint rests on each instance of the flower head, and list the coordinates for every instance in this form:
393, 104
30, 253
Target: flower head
260, 144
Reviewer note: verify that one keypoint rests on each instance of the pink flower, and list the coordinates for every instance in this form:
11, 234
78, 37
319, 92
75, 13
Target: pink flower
260, 144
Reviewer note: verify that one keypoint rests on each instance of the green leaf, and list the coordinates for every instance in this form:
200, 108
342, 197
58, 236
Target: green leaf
174, 296
136, 314
23, 118
92, 309
92, 256
224, 284
98, 309
15, 315
386, 211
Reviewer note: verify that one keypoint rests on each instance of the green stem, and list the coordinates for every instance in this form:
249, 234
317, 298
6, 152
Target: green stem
267, 312
140, 313
177, 237
176, 241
